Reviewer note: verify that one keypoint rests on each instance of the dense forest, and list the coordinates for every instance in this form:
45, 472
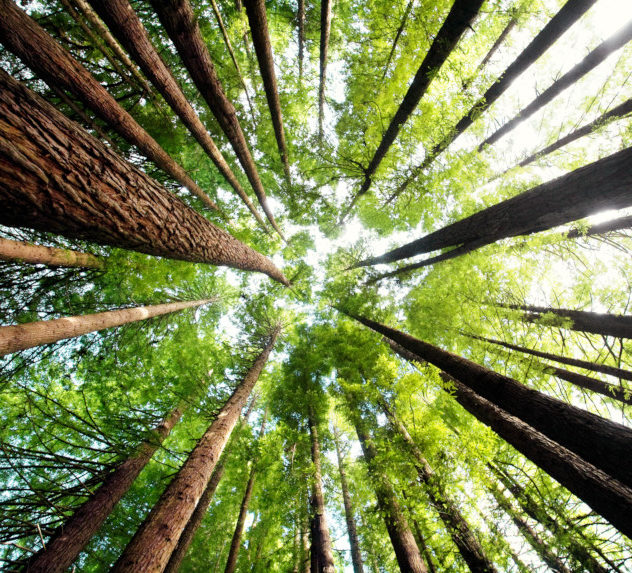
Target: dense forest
306, 286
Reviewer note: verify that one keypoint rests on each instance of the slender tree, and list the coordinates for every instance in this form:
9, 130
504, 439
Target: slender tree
325, 29
398, 34
22, 252
82, 189
300, 16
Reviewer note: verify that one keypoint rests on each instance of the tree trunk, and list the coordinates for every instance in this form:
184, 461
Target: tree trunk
356, 557
70, 539
322, 556
421, 543
27, 40
325, 29
402, 25
125, 24
178, 20
256, 11
553, 203
458, 528
22, 336
301, 36
562, 21
57, 178
155, 540
599, 441
602, 228
21, 252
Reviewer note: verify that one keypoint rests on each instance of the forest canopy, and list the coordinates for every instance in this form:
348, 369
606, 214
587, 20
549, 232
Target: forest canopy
315, 286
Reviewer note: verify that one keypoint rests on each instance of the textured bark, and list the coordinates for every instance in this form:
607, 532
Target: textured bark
356, 556
554, 203
57, 178
599, 441
256, 11
591, 61
70, 539
562, 21
458, 528
178, 20
400, 29
22, 336
18, 251
30, 42
301, 36
125, 24
155, 540
421, 542
322, 556
325, 29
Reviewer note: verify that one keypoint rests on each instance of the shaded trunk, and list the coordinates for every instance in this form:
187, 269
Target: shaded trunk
402, 25
599, 441
70, 539
554, 203
325, 29
21, 252
572, 11
123, 21
32, 44
82, 189
602, 228
180, 23
301, 36
256, 11
22, 336
421, 542
155, 540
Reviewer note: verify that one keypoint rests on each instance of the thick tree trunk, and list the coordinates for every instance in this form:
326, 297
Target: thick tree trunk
70, 539
356, 556
178, 20
325, 29
554, 203
301, 36
22, 336
55, 177
322, 556
256, 11
27, 40
562, 21
18, 251
400, 29
591, 61
155, 540
458, 528
125, 24
599, 441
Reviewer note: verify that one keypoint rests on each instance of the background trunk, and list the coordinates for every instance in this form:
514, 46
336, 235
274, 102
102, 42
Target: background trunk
21, 252
325, 29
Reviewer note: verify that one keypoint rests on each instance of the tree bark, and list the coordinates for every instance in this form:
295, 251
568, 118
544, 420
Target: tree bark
57, 178
19, 251
155, 540
70, 539
554, 203
256, 11
599, 441
602, 228
125, 24
400, 29
27, 40
301, 36
22, 336
325, 29
178, 20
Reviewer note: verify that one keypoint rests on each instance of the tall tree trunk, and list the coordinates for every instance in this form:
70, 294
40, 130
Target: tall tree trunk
553, 203
301, 36
421, 543
70, 539
22, 336
599, 441
591, 61
572, 11
30, 42
256, 11
458, 528
155, 540
178, 20
125, 24
602, 228
356, 557
325, 29
400, 29
81, 189
322, 556
19, 251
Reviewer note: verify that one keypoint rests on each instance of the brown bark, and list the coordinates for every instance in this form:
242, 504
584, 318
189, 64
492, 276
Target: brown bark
421, 542
554, 203
22, 336
57, 178
599, 441
125, 24
325, 29
155, 540
70, 539
27, 40
21, 252
256, 11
